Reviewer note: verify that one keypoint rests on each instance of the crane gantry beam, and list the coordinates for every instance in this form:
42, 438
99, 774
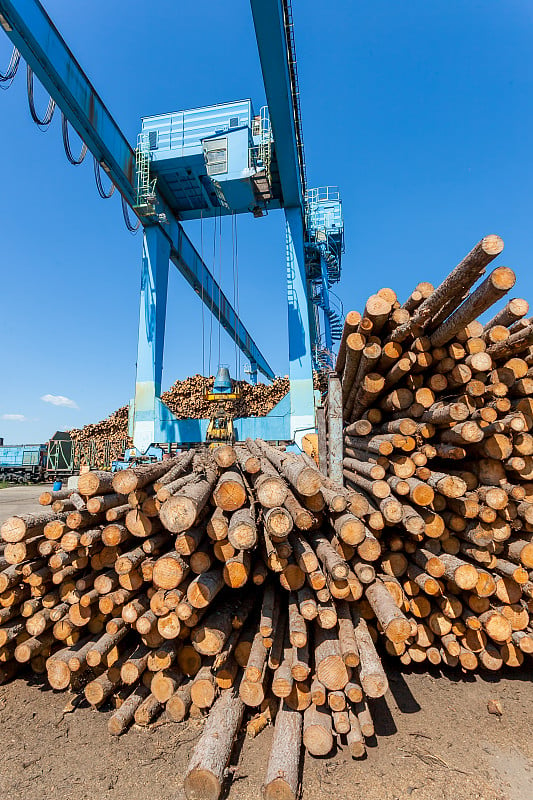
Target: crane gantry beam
270, 31
273, 33
33, 33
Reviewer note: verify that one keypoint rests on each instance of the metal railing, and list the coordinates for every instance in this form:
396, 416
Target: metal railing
144, 185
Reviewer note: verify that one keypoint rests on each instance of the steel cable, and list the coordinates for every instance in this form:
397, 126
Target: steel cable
99, 185
132, 228
12, 67
237, 308
233, 260
213, 291
47, 119
66, 144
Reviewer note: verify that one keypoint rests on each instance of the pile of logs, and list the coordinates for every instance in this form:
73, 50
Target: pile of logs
186, 399
219, 581
437, 410
101, 443
250, 585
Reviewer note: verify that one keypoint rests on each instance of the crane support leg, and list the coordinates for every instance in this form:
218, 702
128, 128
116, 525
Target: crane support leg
148, 417
253, 372
300, 363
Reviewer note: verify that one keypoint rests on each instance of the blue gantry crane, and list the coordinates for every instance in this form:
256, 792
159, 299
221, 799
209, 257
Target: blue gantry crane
199, 163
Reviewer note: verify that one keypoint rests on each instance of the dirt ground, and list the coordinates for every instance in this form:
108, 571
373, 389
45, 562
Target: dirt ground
434, 740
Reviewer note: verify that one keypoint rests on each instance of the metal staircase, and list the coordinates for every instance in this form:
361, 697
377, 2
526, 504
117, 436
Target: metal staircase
336, 324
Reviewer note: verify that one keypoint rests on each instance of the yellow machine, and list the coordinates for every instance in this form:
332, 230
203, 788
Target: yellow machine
220, 429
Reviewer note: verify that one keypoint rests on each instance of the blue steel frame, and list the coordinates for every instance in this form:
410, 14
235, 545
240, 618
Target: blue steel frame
38, 41
31, 30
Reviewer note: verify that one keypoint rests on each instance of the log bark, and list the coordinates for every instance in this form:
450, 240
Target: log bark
281, 780
205, 773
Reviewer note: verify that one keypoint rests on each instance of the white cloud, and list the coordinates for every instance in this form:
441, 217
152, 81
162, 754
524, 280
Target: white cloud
59, 400
14, 417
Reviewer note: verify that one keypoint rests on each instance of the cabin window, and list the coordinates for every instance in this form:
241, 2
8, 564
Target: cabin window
216, 156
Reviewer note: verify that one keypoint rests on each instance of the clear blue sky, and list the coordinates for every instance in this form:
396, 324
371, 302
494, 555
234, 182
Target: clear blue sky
421, 112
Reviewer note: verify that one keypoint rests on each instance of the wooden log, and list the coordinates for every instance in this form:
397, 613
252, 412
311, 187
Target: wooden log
282, 681
297, 624
450, 292
47, 497
178, 705
17, 528
242, 529
305, 480
355, 343
181, 511
133, 478
395, 625
270, 488
224, 455
95, 482
303, 519
181, 465
495, 286
149, 709
203, 689
351, 323
204, 588
514, 310
317, 730
230, 492
122, 717
205, 773
278, 522
248, 462
217, 527
332, 562
330, 668
167, 489
281, 780
496, 626
105, 643
256, 660
169, 571
463, 574
209, 638
371, 673
347, 640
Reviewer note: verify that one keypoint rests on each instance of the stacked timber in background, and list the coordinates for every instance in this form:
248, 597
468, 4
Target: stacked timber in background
187, 400
438, 411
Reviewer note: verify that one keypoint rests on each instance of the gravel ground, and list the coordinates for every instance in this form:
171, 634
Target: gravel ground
21, 499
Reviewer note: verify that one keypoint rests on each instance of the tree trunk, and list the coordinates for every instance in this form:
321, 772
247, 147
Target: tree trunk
205, 773
281, 780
